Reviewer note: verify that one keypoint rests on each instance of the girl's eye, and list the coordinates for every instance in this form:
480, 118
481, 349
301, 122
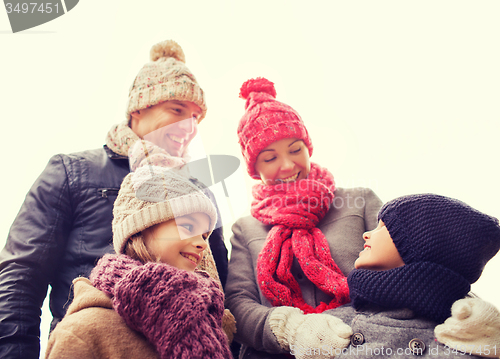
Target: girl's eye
188, 227
270, 159
297, 150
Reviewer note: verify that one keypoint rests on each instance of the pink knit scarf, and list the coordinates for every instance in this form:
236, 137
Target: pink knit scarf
295, 209
179, 312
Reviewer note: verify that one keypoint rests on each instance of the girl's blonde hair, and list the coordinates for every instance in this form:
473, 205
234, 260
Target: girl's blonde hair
136, 249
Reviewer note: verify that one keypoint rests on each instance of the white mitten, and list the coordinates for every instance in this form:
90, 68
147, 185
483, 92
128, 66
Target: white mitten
309, 336
474, 327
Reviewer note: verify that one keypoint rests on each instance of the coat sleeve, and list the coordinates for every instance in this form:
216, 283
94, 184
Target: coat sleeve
33, 249
63, 344
243, 299
372, 206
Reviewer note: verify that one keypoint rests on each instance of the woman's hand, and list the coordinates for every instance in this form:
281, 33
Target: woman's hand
474, 328
309, 335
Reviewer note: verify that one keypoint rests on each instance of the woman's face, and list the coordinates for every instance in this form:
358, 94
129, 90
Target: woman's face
286, 160
379, 252
179, 242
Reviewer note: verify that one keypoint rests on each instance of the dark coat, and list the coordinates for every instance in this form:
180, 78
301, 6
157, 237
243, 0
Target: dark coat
62, 229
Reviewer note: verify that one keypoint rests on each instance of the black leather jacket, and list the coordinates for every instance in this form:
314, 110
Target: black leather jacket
62, 228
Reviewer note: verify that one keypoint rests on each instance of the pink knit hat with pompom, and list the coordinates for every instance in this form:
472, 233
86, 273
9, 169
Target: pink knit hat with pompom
266, 121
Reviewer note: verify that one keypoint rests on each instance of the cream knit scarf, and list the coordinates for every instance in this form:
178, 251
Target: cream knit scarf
123, 141
121, 138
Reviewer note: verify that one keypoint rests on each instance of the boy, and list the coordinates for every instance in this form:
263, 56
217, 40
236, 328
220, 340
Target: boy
425, 253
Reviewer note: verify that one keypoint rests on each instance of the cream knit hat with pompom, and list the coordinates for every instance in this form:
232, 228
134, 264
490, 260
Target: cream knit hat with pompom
165, 78
153, 195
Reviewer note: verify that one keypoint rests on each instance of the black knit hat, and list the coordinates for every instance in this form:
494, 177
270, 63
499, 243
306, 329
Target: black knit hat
445, 245
442, 230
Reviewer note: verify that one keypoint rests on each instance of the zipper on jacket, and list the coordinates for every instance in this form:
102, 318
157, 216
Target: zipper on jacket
105, 192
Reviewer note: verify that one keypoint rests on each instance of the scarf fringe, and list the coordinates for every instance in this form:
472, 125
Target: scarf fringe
295, 209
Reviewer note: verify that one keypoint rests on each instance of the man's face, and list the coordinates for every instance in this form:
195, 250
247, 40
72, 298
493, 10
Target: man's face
170, 125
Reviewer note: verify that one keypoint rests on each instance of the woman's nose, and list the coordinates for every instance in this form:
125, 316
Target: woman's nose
286, 164
366, 235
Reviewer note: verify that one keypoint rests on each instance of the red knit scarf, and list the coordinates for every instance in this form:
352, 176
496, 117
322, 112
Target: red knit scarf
295, 209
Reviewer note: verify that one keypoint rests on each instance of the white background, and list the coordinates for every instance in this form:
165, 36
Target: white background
399, 96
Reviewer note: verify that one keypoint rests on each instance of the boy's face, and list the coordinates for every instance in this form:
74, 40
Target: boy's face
170, 125
179, 242
379, 252
286, 160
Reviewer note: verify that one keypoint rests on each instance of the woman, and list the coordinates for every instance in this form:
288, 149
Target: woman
304, 233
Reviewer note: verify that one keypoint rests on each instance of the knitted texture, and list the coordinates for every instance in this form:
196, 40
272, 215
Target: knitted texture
152, 195
179, 312
165, 78
444, 244
266, 121
293, 329
284, 322
295, 209
121, 138
144, 153
442, 230
474, 325
427, 288
110, 270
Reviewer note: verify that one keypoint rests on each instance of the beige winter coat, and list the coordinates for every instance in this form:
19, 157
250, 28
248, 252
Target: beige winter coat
93, 329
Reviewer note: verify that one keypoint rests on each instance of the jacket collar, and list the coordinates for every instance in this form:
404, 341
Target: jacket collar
112, 155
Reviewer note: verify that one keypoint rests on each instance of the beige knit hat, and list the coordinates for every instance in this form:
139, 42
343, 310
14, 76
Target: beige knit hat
153, 195
165, 78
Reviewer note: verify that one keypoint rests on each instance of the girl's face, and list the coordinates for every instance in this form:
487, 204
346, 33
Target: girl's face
286, 160
379, 252
179, 242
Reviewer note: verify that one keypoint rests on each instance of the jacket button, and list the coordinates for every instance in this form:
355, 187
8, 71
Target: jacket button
417, 346
357, 339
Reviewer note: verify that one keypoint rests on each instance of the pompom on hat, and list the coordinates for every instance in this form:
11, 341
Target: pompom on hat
266, 121
442, 230
165, 78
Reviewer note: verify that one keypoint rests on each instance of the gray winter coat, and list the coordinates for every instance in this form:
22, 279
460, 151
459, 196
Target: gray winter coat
353, 212
395, 334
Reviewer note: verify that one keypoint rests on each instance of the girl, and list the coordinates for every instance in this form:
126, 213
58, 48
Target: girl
150, 300
304, 233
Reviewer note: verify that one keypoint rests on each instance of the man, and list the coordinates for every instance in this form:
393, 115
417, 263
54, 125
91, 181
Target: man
64, 224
